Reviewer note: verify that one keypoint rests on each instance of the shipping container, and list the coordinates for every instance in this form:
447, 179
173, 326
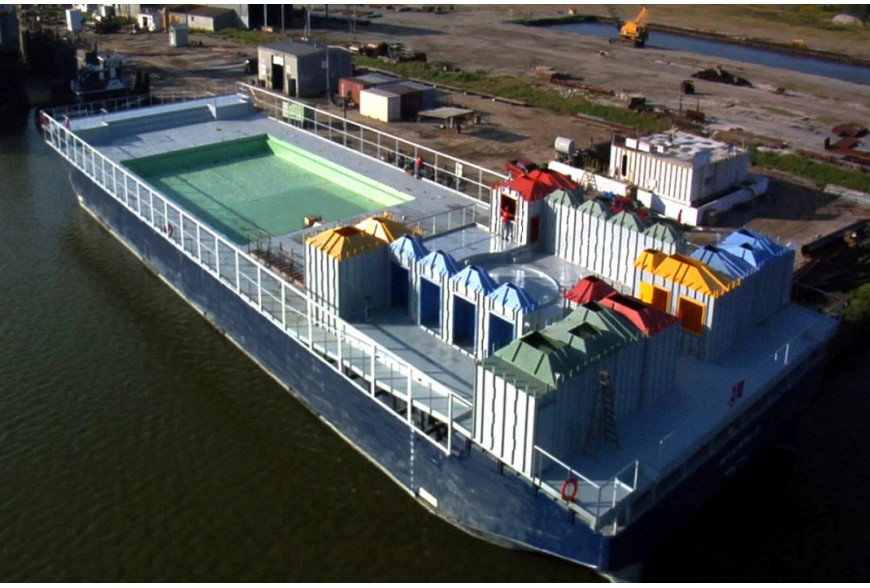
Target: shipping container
380, 105
352, 86
411, 97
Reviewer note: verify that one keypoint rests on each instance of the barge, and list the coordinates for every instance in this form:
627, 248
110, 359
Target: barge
539, 371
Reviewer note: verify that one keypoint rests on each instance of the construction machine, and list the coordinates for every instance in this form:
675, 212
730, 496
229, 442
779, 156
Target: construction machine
634, 31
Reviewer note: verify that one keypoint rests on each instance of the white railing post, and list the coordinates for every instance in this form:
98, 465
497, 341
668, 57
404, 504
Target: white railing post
409, 409
613, 504
372, 386
283, 299
449, 422
115, 184
238, 282
598, 505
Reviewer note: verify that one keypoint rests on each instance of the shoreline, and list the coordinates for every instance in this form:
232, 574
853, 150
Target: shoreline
793, 48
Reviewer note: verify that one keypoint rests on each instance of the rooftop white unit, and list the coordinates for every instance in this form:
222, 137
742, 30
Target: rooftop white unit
679, 174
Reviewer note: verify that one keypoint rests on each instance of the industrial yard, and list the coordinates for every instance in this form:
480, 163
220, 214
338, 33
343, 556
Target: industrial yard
792, 108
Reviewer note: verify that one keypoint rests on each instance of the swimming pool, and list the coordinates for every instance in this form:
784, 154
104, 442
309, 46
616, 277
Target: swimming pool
259, 185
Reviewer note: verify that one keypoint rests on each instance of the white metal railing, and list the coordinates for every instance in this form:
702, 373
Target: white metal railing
448, 220
595, 502
612, 500
155, 97
691, 453
310, 323
463, 176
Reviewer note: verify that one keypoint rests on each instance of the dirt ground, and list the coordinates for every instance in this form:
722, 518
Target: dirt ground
479, 37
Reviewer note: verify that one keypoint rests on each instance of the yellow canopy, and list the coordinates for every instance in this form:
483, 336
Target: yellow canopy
345, 242
382, 228
688, 272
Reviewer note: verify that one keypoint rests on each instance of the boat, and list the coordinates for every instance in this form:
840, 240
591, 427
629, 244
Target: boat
532, 367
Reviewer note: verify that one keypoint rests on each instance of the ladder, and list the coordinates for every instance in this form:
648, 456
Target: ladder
588, 180
602, 420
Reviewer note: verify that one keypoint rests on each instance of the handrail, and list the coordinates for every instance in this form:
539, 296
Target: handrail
708, 443
385, 144
159, 96
185, 232
602, 511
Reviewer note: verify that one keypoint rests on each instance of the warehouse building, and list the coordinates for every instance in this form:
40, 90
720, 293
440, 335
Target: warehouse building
207, 18
303, 70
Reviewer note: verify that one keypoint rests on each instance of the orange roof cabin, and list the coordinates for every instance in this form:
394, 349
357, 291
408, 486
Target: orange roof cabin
711, 306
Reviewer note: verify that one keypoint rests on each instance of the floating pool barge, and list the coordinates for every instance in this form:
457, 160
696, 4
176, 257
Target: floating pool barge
542, 373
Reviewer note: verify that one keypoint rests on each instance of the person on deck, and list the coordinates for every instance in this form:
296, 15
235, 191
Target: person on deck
507, 221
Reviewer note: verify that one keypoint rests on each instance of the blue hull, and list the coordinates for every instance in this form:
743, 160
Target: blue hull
471, 489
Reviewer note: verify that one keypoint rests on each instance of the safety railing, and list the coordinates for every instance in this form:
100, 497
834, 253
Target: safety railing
596, 502
678, 456
156, 97
449, 220
343, 347
462, 176
426, 226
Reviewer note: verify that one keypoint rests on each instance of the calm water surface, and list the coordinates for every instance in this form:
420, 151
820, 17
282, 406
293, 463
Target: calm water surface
136, 444
659, 40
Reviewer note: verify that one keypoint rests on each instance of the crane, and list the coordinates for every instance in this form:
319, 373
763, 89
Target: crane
634, 31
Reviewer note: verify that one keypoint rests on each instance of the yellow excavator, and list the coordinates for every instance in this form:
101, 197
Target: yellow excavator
634, 31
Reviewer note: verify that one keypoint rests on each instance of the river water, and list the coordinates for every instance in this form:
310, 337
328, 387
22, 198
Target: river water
671, 41
137, 444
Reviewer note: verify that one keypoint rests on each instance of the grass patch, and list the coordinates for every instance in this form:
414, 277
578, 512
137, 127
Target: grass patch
820, 173
816, 16
249, 37
520, 89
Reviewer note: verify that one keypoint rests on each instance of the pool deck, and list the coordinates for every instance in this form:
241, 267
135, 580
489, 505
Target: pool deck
429, 198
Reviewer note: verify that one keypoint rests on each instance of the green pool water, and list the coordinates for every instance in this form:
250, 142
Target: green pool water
259, 184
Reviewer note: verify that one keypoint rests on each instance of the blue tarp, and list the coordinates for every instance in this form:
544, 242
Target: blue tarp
513, 297
475, 279
723, 261
440, 263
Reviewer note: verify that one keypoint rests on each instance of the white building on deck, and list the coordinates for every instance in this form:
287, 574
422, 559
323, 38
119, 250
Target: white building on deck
679, 175
684, 176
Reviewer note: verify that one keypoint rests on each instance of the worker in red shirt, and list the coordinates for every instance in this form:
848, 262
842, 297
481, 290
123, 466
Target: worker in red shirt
418, 165
507, 221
